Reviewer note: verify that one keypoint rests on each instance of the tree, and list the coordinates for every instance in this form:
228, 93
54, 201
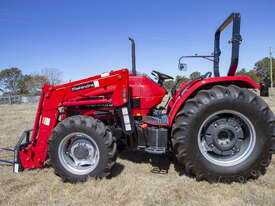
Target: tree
262, 69
32, 84
195, 75
22, 85
9, 80
35, 84
53, 76
168, 85
179, 79
252, 74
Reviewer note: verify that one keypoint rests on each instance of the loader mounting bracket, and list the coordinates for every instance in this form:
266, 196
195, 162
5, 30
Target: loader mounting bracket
19, 146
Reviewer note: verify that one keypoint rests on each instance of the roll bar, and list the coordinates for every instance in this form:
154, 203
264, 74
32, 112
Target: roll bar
236, 41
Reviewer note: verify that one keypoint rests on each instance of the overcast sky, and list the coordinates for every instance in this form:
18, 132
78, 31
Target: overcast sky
85, 37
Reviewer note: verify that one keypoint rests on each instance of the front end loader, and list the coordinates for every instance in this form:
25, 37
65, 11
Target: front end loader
217, 129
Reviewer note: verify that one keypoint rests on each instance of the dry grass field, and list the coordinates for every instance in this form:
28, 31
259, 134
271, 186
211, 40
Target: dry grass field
132, 183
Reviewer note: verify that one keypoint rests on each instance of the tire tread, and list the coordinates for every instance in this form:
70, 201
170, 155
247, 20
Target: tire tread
184, 117
84, 122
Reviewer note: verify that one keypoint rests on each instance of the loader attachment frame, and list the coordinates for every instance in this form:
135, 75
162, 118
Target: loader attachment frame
108, 91
16, 162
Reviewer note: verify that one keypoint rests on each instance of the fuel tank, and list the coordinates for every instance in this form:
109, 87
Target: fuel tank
144, 94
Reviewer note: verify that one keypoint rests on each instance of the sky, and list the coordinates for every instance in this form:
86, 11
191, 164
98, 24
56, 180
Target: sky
87, 37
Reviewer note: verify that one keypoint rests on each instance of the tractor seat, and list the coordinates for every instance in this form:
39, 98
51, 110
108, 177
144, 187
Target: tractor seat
160, 120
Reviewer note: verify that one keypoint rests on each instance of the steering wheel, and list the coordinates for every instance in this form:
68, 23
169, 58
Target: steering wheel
161, 77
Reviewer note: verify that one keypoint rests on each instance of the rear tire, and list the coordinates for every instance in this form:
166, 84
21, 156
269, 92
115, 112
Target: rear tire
81, 146
224, 134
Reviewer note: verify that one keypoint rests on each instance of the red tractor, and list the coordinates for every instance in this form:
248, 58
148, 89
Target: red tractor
217, 128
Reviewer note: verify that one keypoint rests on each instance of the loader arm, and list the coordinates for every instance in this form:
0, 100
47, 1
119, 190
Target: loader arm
107, 88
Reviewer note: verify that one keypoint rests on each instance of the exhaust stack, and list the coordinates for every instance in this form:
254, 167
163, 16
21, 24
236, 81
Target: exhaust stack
134, 72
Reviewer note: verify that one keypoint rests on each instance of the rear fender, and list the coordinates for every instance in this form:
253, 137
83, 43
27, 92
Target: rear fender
241, 81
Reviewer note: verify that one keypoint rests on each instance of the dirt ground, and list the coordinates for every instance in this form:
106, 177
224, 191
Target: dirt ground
132, 183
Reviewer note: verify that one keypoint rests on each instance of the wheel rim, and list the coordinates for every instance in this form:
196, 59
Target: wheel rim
78, 153
226, 138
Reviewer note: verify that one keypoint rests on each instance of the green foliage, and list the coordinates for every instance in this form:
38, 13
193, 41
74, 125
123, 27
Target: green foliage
32, 84
168, 85
179, 79
262, 69
22, 87
252, 74
12, 81
9, 79
195, 75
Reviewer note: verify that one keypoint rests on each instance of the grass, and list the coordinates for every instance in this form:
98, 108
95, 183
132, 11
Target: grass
132, 183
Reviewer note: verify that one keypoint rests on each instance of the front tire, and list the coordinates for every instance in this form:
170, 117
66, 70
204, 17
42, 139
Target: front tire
224, 134
81, 146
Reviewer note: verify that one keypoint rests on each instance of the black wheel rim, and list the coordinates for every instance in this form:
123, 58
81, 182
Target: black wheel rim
226, 138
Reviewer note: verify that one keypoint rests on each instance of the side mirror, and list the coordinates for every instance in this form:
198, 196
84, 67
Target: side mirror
182, 66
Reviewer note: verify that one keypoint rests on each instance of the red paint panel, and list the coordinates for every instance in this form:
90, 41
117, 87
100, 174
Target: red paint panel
178, 100
149, 93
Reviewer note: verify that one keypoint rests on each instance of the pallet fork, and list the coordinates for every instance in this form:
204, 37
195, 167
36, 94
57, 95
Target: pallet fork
16, 159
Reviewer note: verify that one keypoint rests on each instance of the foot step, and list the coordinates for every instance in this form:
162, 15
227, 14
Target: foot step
161, 120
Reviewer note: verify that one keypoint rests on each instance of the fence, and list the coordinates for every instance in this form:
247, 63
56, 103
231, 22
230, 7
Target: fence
18, 99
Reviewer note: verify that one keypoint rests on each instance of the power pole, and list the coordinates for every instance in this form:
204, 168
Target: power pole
271, 82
